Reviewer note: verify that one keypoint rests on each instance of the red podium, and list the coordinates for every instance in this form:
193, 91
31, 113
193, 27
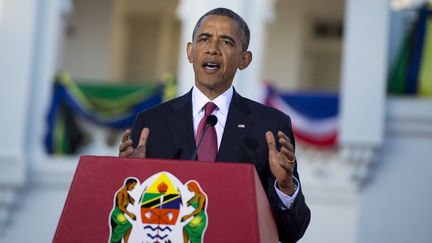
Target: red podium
236, 206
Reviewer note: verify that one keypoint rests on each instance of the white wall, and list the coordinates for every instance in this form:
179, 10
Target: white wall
364, 73
17, 37
35, 215
331, 222
282, 55
396, 205
91, 22
286, 35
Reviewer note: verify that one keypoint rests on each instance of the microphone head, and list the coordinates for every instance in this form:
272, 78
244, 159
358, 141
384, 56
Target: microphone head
211, 120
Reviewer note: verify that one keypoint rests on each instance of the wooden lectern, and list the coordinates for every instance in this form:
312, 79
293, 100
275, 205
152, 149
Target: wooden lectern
236, 204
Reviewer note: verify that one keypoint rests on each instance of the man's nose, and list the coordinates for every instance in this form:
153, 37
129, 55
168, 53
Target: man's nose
213, 48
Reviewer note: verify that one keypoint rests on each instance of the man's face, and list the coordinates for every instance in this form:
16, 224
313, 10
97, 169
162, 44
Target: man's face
131, 186
216, 54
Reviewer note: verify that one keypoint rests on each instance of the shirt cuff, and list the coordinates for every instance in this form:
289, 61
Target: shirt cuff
287, 200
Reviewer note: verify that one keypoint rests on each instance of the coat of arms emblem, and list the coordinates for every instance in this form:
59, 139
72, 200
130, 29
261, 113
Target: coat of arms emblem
160, 209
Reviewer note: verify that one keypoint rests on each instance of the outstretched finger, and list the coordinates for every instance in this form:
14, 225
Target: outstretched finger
288, 154
286, 144
144, 136
283, 136
285, 141
125, 136
270, 141
143, 140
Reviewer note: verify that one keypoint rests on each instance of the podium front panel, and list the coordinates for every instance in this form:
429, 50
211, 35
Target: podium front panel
161, 192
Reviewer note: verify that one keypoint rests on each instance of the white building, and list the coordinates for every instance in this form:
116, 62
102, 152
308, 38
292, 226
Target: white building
373, 188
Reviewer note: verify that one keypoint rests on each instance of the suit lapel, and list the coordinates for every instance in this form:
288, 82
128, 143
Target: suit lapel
237, 126
181, 126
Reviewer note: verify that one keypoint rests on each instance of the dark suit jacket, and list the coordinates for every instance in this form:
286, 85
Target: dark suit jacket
171, 136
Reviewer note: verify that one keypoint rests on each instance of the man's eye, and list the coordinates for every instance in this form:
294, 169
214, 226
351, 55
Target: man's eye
202, 39
228, 42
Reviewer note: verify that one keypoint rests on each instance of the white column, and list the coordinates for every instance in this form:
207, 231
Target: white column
364, 76
47, 62
17, 35
255, 13
17, 30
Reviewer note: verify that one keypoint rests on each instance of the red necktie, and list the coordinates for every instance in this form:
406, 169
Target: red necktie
208, 148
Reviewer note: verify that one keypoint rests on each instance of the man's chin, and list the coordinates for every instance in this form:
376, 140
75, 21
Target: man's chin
213, 88
209, 84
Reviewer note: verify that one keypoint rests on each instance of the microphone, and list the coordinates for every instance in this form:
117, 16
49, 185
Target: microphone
210, 122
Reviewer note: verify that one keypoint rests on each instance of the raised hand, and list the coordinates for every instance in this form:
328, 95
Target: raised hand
126, 149
282, 161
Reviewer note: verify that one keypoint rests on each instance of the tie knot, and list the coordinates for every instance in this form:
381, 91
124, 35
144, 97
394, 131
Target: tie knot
209, 108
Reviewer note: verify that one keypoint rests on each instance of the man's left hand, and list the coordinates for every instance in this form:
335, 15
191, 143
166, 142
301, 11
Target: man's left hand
282, 161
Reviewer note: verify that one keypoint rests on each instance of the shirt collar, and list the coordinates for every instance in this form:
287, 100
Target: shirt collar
222, 101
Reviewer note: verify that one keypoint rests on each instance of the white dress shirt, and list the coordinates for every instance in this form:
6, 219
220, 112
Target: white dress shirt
222, 103
221, 112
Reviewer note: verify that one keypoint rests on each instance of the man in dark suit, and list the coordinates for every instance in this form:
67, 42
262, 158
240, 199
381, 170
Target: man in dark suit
245, 129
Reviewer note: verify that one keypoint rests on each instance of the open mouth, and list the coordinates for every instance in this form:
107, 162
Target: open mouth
211, 65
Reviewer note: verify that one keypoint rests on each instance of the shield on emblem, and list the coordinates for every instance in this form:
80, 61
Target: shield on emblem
160, 207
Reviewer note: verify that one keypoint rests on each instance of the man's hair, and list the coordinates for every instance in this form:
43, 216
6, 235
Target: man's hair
130, 181
232, 15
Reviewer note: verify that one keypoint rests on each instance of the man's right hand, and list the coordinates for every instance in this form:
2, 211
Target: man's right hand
126, 149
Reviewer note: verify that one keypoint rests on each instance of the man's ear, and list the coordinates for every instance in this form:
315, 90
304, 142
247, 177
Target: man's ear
189, 52
246, 60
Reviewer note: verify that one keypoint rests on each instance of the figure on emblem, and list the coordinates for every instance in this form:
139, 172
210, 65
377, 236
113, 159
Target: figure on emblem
120, 225
193, 231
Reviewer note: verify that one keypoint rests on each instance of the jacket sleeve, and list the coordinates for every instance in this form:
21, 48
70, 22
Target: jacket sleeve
291, 223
